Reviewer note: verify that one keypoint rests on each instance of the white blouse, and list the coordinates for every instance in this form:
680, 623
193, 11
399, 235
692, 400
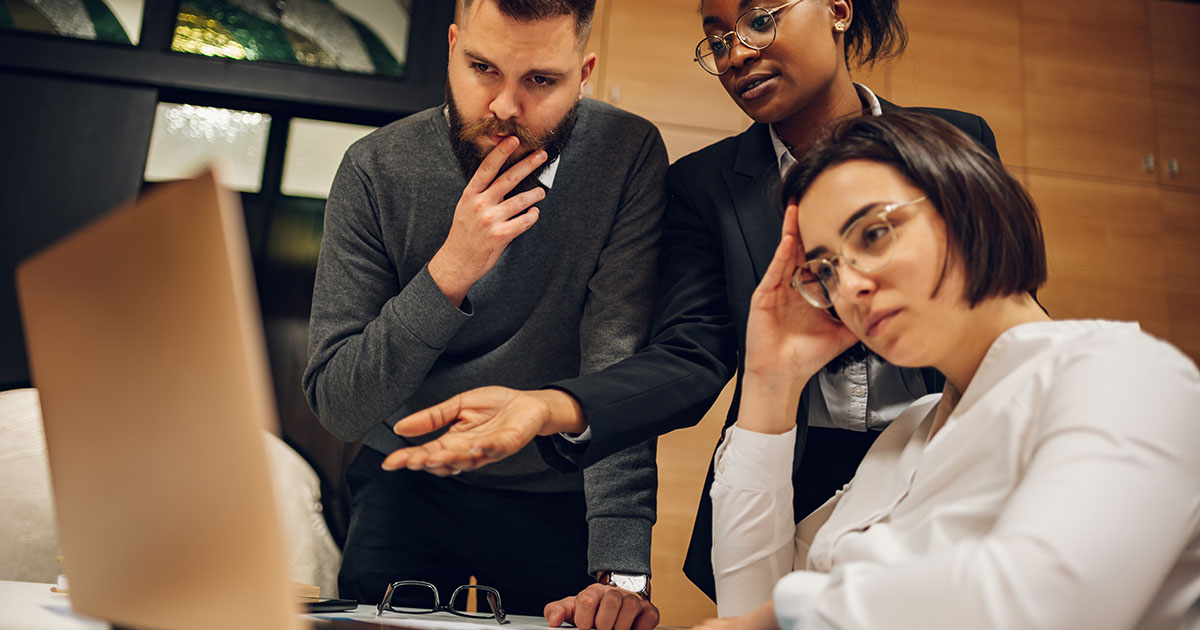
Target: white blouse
1063, 491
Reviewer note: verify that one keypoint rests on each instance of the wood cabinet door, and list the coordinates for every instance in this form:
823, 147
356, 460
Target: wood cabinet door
1181, 222
649, 52
1104, 247
683, 459
1088, 93
1175, 45
966, 55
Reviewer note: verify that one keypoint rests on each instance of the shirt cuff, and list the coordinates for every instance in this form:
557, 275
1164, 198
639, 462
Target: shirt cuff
796, 596
582, 438
755, 461
559, 454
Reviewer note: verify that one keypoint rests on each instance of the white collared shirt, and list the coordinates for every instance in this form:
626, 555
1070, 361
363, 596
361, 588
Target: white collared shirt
546, 177
1063, 491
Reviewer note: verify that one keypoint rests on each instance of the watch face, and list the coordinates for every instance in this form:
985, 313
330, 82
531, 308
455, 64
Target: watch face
635, 583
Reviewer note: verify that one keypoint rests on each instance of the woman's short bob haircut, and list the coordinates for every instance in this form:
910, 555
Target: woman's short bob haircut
991, 223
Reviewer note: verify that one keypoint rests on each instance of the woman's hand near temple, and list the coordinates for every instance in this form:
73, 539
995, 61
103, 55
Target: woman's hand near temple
788, 340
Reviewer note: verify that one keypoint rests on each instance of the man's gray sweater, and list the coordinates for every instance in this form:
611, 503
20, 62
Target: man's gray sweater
570, 296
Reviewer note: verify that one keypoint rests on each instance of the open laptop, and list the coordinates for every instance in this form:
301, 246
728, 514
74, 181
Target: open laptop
146, 345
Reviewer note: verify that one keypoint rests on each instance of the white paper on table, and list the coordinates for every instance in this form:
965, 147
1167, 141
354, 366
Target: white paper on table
436, 621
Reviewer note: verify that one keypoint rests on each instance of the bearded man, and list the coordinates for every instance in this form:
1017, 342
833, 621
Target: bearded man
509, 236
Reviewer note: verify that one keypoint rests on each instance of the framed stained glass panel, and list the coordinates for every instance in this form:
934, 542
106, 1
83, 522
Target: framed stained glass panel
117, 21
314, 151
186, 139
363, 36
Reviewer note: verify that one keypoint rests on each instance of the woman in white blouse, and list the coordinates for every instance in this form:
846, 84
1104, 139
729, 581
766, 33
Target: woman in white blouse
1054, 484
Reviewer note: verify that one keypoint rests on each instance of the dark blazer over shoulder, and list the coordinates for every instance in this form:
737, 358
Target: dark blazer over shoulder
721, 230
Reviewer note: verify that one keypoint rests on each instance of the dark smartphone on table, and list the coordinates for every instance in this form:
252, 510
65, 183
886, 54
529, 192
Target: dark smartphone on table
330, 605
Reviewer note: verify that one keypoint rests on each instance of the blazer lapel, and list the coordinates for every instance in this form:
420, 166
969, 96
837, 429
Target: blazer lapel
753, 184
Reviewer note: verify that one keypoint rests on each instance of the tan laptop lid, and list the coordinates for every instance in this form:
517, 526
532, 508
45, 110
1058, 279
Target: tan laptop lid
146, 345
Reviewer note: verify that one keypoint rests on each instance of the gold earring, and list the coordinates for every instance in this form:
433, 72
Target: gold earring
839, 26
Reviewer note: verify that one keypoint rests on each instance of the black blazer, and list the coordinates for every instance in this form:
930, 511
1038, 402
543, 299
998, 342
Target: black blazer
722, 226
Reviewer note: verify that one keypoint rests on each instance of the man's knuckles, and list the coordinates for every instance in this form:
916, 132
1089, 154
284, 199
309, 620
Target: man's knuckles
590, 597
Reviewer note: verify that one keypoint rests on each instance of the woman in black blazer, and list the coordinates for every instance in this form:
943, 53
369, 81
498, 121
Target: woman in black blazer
786, 64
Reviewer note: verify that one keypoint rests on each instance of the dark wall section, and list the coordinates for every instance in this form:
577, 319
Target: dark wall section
70, 151
77, 117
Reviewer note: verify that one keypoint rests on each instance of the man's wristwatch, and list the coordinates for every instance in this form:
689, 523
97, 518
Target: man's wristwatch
634, 582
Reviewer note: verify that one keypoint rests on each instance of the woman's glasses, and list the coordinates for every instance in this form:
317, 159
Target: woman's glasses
421, 598
755, 29
868, 244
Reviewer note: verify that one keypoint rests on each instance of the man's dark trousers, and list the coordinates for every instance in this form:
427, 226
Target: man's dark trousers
408, 525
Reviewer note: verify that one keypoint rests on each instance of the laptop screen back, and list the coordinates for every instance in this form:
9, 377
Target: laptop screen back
146, 346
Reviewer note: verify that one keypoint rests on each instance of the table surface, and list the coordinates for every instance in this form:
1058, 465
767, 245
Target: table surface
28, 605
32, 606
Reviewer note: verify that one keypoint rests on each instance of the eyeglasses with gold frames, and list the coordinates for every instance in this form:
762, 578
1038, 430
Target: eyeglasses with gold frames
755, 29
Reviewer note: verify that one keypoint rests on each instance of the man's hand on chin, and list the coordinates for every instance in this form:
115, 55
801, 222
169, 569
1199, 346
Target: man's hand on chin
603, 608
486, 424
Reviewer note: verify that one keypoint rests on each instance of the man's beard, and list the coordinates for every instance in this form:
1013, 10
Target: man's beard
470, 155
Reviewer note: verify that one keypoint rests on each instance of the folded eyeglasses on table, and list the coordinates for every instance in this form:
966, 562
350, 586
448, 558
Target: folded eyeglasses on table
429, 602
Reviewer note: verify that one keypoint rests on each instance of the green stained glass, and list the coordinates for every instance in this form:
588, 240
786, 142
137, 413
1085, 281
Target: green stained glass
385, 63
309, 52
107, 27
82, 19
199, 34
315, 33
211, 27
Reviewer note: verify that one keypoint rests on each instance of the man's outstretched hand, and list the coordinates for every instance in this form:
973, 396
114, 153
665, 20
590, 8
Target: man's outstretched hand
603, 608
486, 424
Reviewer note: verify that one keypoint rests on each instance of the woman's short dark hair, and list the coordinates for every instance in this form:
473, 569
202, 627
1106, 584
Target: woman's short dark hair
991, 223
876, 32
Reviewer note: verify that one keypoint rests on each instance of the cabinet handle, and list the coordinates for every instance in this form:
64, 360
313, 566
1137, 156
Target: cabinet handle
1173, 167
1148, 162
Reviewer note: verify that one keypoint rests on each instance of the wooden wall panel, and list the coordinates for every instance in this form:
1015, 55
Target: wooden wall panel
650, 68
598, 43
1104, 243
681, 140
683, 458
1021, 174
878, 77
1087, 87
962, 54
